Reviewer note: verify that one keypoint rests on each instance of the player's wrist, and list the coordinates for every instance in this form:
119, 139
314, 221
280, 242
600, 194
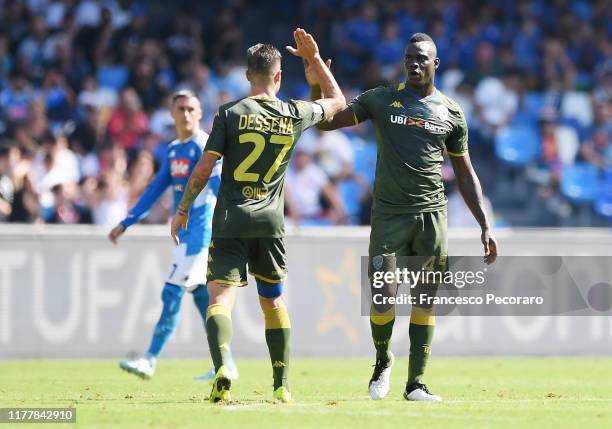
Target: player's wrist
311, 58
317, 57
182, 211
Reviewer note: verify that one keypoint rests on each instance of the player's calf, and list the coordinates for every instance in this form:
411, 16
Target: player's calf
201, 300
278, 335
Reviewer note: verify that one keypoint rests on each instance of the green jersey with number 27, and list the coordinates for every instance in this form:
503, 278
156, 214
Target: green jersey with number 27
256, 136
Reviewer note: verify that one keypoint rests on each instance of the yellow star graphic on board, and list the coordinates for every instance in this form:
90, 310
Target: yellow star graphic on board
336, 283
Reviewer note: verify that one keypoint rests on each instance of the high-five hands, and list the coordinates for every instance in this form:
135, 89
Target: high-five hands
306, 47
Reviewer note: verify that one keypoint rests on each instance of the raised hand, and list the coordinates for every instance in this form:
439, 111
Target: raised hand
306, 47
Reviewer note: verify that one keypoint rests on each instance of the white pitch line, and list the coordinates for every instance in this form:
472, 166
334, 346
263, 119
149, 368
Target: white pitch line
509, 400
269, 405
240, 407
292, 409
300, 408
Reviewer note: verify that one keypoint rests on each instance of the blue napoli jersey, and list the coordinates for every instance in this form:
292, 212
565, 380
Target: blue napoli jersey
175, 171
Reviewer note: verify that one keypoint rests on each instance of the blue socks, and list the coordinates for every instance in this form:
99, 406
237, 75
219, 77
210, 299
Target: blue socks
171, 297
170, 316
200, 298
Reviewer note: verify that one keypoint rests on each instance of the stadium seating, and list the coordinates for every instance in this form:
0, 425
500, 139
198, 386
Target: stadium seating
115, 77
517, 146
350, 192
603, 202
532, 104
365, 160
580, 183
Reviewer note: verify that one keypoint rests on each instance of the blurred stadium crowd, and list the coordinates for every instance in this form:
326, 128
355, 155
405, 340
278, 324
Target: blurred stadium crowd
85, 84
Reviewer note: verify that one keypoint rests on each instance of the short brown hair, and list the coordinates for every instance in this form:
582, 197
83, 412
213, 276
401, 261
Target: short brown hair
184, 93
261, 58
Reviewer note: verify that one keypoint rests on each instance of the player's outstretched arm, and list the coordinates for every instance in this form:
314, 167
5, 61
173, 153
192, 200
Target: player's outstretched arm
471, 191
333, 100
198, 180
149, 197
344, 118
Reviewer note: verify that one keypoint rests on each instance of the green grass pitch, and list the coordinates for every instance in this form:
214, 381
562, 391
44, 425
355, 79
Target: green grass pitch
329, 393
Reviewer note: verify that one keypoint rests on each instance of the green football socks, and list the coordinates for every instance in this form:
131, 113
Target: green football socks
219, 332
422, 325
278, 338
382, 329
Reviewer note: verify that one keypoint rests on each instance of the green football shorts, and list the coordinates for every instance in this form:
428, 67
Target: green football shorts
394, 236
228, 259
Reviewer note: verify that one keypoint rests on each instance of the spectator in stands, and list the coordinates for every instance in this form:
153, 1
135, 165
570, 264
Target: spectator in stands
6, 61
201, 83
110, 201
37, 121
162, 124
334, 153
145, 81
54, 164
31, 49
25, 207
128, 122
559, 73
496, 57
7, 187
59, 98
113, 158
228, 34
390, 48
15, 99
89, 134
65, 208
597, 150
92, 94
495, 103
358, 38
308, 186
487, 65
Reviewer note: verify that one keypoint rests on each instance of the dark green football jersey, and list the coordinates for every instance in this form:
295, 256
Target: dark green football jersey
256, 137
411, 134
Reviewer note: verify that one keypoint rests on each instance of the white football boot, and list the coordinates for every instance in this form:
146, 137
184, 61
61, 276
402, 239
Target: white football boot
143, 367
419, 392
379, 383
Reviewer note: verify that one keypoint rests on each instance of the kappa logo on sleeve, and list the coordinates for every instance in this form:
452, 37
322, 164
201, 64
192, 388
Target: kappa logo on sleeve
179, 167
